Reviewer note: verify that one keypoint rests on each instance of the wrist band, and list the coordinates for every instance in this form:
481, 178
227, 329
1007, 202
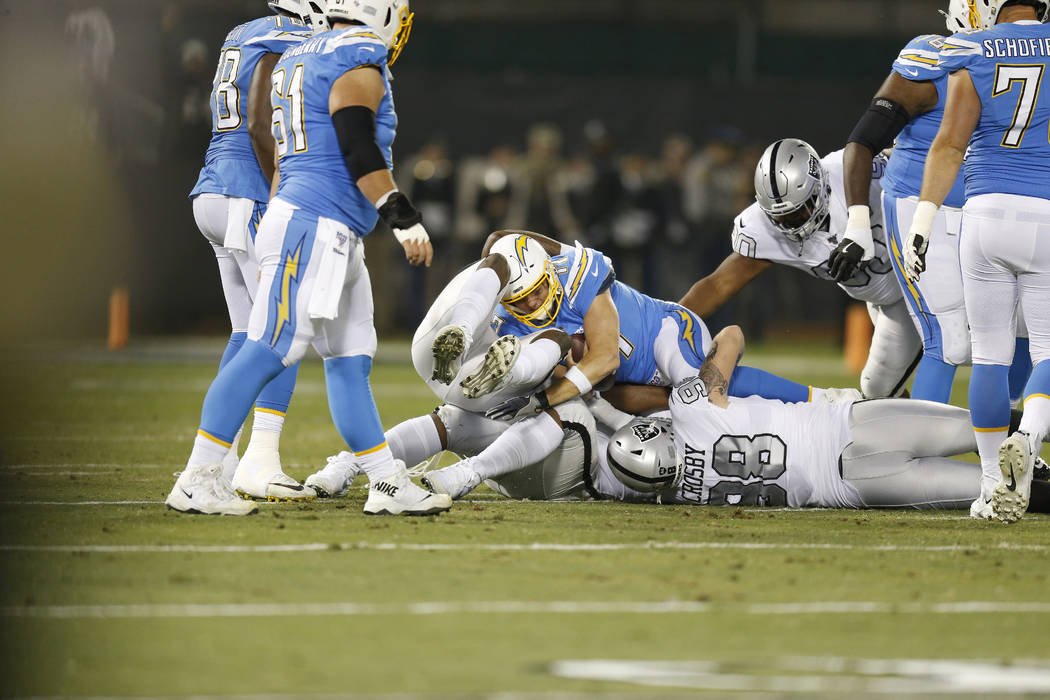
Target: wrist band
382, 200
578, 378
925, 213
859, 216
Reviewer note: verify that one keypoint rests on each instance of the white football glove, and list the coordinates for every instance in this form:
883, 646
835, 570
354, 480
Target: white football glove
918, 239
519, 407
413, 234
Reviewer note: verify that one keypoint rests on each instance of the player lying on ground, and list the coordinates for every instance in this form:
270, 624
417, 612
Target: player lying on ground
797, 220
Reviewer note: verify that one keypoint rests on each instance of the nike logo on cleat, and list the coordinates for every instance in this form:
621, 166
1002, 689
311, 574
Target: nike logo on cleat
386, 488
297, 487
1013, 482
188, 494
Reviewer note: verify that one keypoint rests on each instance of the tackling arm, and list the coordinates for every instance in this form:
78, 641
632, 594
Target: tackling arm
727, 347
353, 103
709, 294
260, 115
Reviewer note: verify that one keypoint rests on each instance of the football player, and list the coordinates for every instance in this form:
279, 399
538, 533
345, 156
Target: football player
797, 220
334, 124
908, 107
719, 450
999, 117
231, 195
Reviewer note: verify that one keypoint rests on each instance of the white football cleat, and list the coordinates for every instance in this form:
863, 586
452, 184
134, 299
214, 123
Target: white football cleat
449, 346
201, 489
397, 495
1017, 463
456, 480
334, 480
259, 475
499, 359
981, 508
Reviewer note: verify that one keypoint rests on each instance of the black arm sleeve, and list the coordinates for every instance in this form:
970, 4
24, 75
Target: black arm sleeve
879, 125
355, 128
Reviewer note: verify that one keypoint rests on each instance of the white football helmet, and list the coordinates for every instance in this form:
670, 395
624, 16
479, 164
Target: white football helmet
791, 187
642, 455
966, 15
391, 19
530, 266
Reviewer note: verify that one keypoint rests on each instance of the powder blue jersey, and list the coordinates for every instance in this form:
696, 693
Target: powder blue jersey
230, 165
918, 62
584, 274
313, 174
1009, 151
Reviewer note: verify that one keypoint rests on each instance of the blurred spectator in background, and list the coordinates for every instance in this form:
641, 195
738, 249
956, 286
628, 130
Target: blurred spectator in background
539, 202
678, 246
636, 235
596, 187
484, 191
428, 179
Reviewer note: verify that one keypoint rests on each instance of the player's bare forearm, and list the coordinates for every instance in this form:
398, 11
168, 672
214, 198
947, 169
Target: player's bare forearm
727, 347
552, 246
856, 163
961, 112
375, 184
601, 325
709, 294
637, 399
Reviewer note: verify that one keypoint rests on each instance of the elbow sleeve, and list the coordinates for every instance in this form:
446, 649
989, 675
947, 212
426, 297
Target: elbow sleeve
879, 124
355, 129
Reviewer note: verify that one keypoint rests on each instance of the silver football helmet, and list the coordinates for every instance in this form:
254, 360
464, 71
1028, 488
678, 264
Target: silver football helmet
391, 19
966, 15
296, 8
642, 455
792, 188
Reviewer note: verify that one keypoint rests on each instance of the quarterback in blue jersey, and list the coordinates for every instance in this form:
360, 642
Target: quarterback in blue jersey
333, 122
629, 336
998, 119
229, 199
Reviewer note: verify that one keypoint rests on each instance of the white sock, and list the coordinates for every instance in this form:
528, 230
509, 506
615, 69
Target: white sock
477, 300
229, 462
522, 444
414, 440
263, 440
265, 419
1036, 417
816, 394
377, 463
207, 450
988, 448
535, 362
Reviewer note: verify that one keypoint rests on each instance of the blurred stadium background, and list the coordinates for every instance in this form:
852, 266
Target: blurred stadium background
631, 125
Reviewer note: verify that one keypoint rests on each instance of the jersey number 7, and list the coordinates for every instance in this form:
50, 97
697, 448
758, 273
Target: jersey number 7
1029, 76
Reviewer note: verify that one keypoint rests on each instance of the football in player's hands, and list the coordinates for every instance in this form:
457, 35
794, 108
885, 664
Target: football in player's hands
579, 346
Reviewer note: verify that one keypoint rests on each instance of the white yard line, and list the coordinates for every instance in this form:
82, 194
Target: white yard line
511, 547
511, 607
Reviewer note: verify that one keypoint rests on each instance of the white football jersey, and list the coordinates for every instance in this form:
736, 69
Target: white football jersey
755, 236
759, 451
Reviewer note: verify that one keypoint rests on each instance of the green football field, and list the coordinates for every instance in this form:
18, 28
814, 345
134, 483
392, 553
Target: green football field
107, 593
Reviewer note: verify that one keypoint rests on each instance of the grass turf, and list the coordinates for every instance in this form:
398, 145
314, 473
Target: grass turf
128, 599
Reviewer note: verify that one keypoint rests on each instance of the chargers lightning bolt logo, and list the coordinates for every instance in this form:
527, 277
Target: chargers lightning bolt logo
519, 248
289, 272
688, 332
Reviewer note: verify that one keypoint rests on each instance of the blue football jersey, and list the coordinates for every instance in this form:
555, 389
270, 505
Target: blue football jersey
313, 172
1009, 151
918, 62
584, 274
230, 165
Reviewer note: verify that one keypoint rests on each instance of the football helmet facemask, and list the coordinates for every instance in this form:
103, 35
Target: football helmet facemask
642, 455
391, 19
791, 187
530, 267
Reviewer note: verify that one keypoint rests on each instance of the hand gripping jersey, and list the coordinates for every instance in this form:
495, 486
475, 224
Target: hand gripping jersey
312, 170
759, 452
1009, 151
918, 62
230, 165
585, 273
754, 236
